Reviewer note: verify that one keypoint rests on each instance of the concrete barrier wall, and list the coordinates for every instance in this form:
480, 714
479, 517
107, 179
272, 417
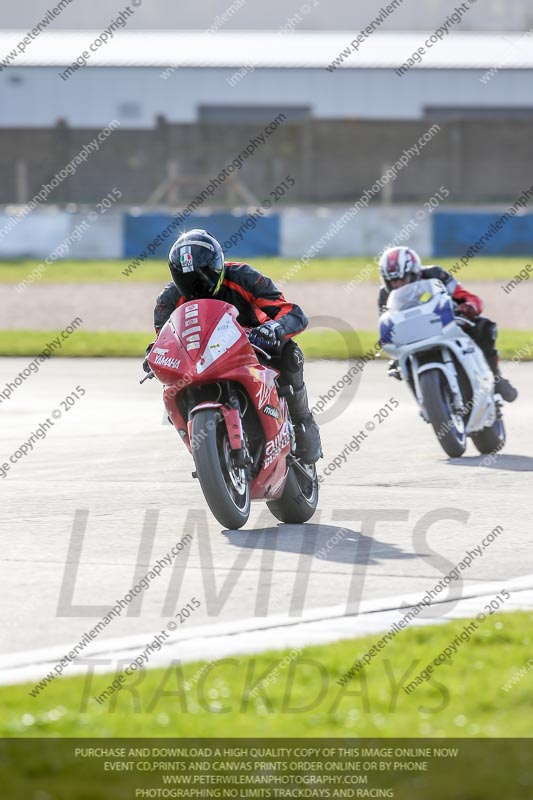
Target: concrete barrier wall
292, 233
328, 231
59, 235
99, 239
34, 236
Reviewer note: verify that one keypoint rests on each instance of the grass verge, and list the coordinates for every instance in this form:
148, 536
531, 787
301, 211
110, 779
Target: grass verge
342, 270
316, 345
484, 692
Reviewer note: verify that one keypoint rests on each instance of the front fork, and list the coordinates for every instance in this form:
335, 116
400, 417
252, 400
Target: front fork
447, 367
231, 412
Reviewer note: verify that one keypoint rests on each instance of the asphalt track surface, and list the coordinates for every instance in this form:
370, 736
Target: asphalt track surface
393, 519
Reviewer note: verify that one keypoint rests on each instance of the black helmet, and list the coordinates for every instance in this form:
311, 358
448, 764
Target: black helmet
196, 263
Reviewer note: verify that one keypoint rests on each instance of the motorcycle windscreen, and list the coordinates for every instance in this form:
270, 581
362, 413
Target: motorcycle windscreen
434, 310
207, 329
417, 329
224, 336
411, 295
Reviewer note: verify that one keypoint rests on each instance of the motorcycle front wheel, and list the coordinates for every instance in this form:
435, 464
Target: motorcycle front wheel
449, 427
225, 485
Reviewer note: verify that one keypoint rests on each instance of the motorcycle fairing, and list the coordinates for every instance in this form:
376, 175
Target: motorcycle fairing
206, 348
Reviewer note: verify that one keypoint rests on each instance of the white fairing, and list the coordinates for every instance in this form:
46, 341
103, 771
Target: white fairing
421, 314
223, 337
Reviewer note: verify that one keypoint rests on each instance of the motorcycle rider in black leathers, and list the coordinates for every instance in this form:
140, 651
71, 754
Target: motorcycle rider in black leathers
198, 270
401, 265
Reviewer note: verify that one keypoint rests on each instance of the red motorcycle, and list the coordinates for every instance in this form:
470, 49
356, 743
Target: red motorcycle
231, 414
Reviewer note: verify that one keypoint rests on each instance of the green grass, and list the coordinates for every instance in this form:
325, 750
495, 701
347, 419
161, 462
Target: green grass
316, 345
282, 270
81, 344
464, 698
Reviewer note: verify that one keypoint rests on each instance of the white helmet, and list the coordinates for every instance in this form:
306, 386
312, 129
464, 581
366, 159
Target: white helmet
399, 262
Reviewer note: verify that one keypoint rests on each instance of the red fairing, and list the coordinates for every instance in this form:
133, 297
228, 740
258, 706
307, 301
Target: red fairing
202, 343
463, 296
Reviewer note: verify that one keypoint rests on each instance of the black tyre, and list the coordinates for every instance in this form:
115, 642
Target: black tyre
491, 439
225, 486
299, 500
448, 426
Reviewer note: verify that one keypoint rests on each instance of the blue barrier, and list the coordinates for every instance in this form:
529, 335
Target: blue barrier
455, 233
261, 237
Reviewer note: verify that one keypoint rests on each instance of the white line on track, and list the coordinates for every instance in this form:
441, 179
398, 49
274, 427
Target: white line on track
316, 626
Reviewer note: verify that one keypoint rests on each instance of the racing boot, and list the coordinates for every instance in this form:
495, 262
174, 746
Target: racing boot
487, 342
502, 385
505, 387
308, 445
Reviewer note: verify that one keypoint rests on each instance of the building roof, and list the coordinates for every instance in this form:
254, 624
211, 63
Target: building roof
271, 49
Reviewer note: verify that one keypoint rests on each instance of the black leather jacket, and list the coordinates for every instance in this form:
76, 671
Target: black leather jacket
254, 296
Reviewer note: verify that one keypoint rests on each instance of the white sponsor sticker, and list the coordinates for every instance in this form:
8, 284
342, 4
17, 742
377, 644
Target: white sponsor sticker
166, 361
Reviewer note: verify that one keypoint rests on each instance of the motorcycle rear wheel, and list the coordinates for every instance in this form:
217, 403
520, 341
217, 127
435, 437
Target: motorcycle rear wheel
225, 486
490, 439
299, 500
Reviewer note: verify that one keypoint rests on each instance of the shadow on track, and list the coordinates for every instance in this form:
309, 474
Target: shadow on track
324, 542
503, 461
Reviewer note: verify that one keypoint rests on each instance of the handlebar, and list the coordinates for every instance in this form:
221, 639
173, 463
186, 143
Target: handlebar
147, 377
248, 330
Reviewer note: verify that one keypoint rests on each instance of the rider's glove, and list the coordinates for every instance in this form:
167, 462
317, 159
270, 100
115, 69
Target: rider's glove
146, 365
268, 337
467, 310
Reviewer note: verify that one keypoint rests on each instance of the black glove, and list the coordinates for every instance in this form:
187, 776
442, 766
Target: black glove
146, 365
268, 337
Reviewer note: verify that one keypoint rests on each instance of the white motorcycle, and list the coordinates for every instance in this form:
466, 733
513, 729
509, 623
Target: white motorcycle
445, 369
